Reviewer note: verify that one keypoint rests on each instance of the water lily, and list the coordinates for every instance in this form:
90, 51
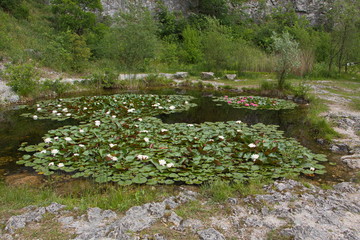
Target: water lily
186, 102
51, 164
254, 157
81, 145
76, 154
169, 165
221, 137
56, 138
60, 165
38, 109
97, 123
112, 145
164, 130
190, 125
47, 140
54, 152
251, 145
58, 114
68, 139
312, 169
160, 107
43, 151
35, 117
81, 130
38, 105
140, 119
59, 105
68, 114
131, 110
113, 116
239, 130
238, 122
172, 107
142, 157
108, 112
85, 108
146, 139
162, 162
144, 131
54, 111
65, 110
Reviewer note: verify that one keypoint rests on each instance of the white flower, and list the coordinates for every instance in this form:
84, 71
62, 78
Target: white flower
164, 130
140, 119
146, 139
239, 131
238, 122
312, 169
112, 145
142, 157
43, 151
76, 154
169, 100
59, 114
169, 165
38, 105
162, 162
108, 112
221, 137
81, 145
68, 139
131, 110
97, 123
35, 117
68, 114
156, 105
81, 130
251, 145
190, 125
65, 110
56, 138
59, 105
51, 164
60, 165
38, 109
160, 107
172, 107
54, 111
113, 116
211, 140
255, 156
54, 152
85, 108
144, 131
186, 102
114, 158
124, 102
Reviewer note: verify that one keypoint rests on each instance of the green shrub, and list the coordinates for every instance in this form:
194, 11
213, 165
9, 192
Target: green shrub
55, 86
23, 79
106, 79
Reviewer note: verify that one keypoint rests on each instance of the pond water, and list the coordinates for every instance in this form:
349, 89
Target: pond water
15, 129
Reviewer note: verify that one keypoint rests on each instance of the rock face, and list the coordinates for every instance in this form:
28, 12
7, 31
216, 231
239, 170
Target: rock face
313, 10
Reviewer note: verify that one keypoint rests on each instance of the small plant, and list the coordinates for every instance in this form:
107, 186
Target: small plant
23, 79
55, 86
218, 191
106, 79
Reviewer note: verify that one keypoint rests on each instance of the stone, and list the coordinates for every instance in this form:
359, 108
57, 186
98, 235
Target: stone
20, 221
167, 75
175, 219
230, 76
210, 234
7, 95
233, 201
132, 76
345, 187
192, 224
352, 161
339, 148
54, 208
207, 75
181, 75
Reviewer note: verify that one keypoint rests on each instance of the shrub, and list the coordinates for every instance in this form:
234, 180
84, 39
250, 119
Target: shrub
106, 79
55, 86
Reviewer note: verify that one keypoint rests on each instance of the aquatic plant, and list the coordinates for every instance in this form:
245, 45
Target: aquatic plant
256, 102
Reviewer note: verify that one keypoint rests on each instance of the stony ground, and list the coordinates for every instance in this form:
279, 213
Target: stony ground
287, 210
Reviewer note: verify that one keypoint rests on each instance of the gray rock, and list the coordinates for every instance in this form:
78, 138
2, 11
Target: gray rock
207, 75
20, 221
54, 208
345, 187
175, 219
233, 201
193, 224
7, 95
159, 237
230, 76
181, 75
210, 234
352, 161
339, 148
167, 75
132, 76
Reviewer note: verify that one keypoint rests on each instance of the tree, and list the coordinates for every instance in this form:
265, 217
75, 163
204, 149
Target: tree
287, 51
191, 45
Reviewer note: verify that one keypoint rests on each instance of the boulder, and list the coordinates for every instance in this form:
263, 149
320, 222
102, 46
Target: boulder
352, 161
181, 75
210, 234
207, 75
230, 76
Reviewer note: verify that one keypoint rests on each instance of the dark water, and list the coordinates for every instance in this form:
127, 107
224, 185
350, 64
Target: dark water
15, 129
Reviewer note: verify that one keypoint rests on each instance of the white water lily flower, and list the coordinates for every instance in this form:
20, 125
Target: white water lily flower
142, 157
113, 116
251, 145
54, 111
56, 138
312, 169
97, 123
112, 145
156, 105
35, 117
43, 151
114, 158
60, 165
65, 110
54, 152
81, 130
144, 131
169, 100
38, 105
51, 164
140, 119
68, 114
172, 107
164, 130
255, 156
68, 139
108, 112
124, 102
76, 154
38, 109
169, 165
85, 108
211, 140
186, 102
238, 122
162, 162
146, 139
160, 107
81, 145
239, 131
131, 110
190, 125
59, 105
221, 137
59, 114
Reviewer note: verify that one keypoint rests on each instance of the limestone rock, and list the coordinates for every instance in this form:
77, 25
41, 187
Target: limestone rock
230, 76
207, 75
352, 161
181, 75
210, 234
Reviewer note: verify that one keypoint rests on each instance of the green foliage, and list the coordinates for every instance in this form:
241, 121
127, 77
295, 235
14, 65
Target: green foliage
106, 79
55, 86
16, 7
288, 55
213, 8
23, 79
218, 191
191, 45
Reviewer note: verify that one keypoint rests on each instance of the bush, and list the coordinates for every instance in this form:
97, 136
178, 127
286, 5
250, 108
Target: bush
23, 79
15, 7
55, 86
106, 79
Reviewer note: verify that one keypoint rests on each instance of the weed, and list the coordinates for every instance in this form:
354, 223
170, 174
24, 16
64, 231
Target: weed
218, 191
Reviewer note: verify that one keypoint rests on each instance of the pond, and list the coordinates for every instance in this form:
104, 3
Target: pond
16, 129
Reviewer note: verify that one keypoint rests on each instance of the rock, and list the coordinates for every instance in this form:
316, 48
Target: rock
132, 76
54, 208
339, 148
20, 221
193, 224
233, 201
167, 75
7, 95
210, 234
230, 76
174, 218
207, 75
23, 179
352, 161
345, 187
181, 75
